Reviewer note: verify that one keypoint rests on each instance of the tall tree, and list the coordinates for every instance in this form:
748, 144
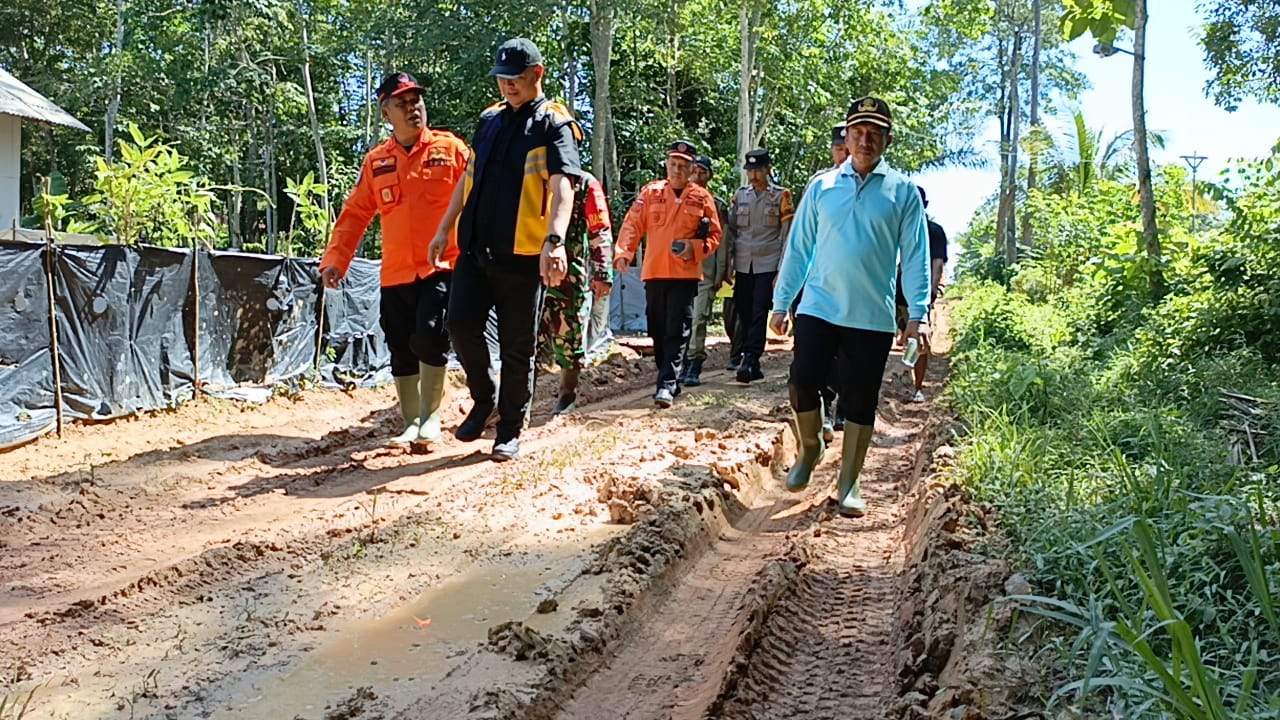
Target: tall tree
604, 155
1033, 158
1104, 19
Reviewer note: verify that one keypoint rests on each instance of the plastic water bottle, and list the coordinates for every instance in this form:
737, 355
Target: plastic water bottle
911, 352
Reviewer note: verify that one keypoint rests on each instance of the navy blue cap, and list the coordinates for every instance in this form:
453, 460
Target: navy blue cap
514, 57
703, 161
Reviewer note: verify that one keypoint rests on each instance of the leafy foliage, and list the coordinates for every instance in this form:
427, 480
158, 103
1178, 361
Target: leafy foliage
151, 196
1096, 424
1241, 43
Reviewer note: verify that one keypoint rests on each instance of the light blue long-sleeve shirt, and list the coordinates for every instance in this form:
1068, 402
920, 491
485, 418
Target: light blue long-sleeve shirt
845, 245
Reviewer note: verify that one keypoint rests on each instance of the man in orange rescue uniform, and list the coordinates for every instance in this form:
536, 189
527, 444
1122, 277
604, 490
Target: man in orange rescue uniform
682, 225
407, 180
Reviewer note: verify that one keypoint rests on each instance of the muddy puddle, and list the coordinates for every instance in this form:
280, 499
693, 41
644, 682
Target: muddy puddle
412, 647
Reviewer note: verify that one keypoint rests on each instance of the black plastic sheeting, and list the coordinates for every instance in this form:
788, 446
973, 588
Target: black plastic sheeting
126, 321
259, 315
120, 331
26, 371
355, 349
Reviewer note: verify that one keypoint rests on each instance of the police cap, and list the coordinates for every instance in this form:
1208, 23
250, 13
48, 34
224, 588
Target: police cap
757, 159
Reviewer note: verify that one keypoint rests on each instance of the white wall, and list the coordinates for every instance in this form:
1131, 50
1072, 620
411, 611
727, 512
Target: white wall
10, 157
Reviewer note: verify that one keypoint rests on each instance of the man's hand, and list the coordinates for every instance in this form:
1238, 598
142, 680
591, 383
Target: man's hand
553, 265
600, 288
330, 276
622, 263
919, 330
778, 323
435, 250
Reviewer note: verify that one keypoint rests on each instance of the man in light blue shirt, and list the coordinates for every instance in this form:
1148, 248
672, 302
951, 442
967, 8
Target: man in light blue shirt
855, 222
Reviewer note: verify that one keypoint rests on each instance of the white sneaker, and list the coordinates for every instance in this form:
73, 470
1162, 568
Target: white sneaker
918, 397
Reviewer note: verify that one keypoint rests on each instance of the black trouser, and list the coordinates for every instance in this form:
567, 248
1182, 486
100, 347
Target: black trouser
515, 294
412, 316
669, 311
752, 297
732, 327
860, 357
829, 391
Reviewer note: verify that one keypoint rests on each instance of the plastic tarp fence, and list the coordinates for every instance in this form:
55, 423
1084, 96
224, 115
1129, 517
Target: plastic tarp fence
26, 369
121, 338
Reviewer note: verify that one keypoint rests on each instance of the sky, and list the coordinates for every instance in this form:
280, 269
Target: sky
1176, 106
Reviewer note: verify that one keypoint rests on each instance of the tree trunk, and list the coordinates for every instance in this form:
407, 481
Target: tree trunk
1002, 108
269, 171
311, 112
368, 99
233, 206
1028, 239
1015, 125
673, 51
604, 156
748, 17
1006, 231
113, 106
1150, 234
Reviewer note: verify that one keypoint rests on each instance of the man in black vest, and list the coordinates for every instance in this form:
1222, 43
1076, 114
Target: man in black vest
515, 207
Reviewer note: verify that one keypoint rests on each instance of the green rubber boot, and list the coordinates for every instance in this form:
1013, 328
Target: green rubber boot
432, 389
809, 437
410, 407
857, 438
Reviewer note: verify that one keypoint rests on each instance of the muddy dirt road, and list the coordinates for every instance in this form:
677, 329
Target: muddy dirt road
226, 561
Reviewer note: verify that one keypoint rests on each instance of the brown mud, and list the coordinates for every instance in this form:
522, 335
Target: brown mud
277, 561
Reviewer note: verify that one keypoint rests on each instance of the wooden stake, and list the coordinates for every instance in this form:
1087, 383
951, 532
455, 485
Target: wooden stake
53, 318
320, 328
195, 330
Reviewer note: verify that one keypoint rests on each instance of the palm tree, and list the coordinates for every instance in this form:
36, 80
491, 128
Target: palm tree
1080, 157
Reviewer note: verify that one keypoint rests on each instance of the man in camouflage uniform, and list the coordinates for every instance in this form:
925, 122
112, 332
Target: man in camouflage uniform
566, 311
716, 271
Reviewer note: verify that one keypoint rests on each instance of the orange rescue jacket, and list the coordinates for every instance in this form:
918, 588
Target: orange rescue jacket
411, 191
660, 216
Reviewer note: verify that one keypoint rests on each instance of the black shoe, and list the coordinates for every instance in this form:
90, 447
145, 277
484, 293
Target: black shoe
693, 374
735, 361
504, 450
749, 370
477, 420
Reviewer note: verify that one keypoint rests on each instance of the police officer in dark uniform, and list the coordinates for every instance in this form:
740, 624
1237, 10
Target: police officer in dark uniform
514, 212
759, 218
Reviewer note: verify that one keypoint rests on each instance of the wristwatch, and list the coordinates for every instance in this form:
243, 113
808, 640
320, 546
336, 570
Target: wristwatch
554, 240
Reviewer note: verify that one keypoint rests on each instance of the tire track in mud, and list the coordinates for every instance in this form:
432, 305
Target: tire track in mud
828, 651
793, 613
